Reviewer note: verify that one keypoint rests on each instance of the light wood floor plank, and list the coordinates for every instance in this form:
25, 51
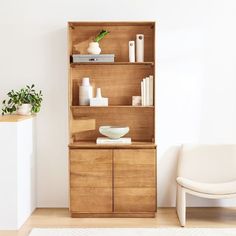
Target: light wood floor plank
166, 217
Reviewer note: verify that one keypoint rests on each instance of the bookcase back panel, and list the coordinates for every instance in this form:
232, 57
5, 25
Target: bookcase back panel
140, 122
118, 82
116, 42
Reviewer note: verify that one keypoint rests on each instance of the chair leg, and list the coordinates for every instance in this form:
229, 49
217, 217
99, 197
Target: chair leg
181, 205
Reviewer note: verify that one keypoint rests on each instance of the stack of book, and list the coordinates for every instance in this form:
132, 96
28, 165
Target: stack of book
104, 140
147, 91
77, 58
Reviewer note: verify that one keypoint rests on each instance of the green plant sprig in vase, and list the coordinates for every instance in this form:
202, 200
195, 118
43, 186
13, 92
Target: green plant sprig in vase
25, 101
94, 45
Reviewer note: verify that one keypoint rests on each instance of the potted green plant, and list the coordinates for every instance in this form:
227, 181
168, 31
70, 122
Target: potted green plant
94, 46
24, 102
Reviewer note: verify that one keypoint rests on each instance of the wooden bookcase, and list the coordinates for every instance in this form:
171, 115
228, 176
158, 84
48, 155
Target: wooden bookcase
112, 180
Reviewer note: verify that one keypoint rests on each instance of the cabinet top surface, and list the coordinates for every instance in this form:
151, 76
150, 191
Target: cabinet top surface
14, 118
74, 23
93, 145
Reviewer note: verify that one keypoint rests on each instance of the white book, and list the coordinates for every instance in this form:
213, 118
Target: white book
147, 92
104, 140
142, 94
151, 91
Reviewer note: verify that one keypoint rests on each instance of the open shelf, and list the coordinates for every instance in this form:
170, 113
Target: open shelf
93, 145
112, 63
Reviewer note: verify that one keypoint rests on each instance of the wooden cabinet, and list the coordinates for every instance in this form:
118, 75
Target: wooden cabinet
91, 181
112, 180
134, 180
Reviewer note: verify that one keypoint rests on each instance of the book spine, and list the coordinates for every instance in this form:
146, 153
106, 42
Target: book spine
151, 91
147, 92
142, 94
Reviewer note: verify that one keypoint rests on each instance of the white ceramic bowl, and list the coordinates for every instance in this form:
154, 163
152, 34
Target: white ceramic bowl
113, 132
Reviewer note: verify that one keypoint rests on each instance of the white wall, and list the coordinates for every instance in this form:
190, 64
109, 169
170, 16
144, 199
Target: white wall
196, 53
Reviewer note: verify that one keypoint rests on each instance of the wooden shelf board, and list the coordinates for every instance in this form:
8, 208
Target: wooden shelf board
113, 63
93, 145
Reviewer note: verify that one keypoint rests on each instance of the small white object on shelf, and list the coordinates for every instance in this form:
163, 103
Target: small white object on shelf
98, 100
136, 101
85, 92
139, 47
94, 48
104, 140
131, 51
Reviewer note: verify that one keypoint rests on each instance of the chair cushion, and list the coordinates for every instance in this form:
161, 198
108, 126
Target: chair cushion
208, 188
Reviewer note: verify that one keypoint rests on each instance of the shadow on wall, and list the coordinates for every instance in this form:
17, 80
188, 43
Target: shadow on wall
167, 179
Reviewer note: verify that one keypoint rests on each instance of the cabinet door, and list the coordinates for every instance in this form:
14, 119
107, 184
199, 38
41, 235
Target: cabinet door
135, 180
90, 181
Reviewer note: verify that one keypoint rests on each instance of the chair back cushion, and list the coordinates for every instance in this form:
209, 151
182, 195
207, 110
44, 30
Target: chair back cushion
208, 163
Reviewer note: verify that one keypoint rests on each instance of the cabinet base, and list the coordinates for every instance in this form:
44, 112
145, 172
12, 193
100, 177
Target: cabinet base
113, 215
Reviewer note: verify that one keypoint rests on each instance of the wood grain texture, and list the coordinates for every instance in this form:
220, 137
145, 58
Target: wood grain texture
134, 180
134, 168
115, 215
14, 118
116, 41
91, 181
207, 217
117, 82
91, 200
134, 200
90, 168
140, 121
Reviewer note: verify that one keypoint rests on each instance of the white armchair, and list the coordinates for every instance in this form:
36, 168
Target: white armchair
207, 171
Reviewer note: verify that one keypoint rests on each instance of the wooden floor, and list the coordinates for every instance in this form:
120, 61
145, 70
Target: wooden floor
166, 217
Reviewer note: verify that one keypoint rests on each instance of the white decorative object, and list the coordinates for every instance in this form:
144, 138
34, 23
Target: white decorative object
136, 101
174, 231
113, 132
151, 84
104, 140
98, 100
131, 51
24, 109
142, 93
147, 91
94, 48
17, 171
85, 92
139, 47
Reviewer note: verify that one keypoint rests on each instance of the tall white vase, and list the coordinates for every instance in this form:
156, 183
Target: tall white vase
85, 92
131, 51
139, 47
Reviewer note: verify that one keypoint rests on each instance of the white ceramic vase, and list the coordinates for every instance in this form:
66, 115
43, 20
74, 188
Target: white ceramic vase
94, 48
24, 109
85, 92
